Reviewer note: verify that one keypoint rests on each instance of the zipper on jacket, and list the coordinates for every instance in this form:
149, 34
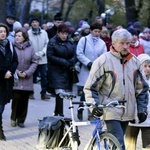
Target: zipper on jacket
122, 62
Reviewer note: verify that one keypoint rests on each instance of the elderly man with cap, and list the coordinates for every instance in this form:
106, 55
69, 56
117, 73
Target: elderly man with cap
39, 40
57, 21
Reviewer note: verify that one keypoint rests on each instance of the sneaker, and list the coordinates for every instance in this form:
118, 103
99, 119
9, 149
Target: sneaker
21, 125
31, 96
45, 97
13, 123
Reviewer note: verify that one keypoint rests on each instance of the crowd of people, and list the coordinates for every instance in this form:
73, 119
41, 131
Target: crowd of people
114, 64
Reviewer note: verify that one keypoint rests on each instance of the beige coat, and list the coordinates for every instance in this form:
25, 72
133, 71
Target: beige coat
110, 80
39, 42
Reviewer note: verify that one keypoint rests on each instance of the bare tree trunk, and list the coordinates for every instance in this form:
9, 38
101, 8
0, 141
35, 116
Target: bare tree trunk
24, 14
62, 6
101, 6
2, 11
131, 12
148, 20
69, 9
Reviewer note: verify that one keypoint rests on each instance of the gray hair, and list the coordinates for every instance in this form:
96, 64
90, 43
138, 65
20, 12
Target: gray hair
121, 34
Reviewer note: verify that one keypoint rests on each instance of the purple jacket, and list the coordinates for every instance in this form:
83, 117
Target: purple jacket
27, 63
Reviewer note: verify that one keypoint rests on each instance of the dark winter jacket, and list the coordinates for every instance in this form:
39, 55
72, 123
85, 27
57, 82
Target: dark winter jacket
61, 58
27, 63
52, 32
7, 62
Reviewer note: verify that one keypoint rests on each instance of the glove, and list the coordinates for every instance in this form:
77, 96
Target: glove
89, 65
97, 112
142, 117
133, 121
39, 54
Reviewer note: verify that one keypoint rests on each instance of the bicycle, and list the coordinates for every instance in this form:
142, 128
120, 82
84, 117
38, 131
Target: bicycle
100, 139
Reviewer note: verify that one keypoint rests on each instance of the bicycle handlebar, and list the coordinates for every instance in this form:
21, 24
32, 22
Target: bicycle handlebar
70, 96
119, 104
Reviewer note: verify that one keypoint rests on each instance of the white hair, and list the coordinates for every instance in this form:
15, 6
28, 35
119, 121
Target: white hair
121, 34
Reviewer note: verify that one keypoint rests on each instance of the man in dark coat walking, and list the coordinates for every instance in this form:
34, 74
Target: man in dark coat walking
57, 21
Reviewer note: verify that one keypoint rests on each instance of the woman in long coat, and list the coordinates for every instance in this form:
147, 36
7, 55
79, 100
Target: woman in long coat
61, 59
27, 65
89, 48
8, 65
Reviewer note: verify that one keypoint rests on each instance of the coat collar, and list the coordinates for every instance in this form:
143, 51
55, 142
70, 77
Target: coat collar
118, 55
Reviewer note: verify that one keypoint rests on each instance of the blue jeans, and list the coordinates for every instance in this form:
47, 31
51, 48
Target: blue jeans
1, 112
42, 71
117, 128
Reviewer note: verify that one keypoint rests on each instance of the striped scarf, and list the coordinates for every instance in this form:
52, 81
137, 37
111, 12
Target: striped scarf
2, 46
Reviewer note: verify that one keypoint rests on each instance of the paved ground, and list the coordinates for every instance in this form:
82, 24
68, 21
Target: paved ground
26, 138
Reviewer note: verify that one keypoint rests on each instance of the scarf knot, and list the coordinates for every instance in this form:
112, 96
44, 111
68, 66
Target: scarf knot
3, 43
36, 31
95, 39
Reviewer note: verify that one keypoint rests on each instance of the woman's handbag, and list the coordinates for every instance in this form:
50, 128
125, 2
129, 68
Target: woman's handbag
73, 76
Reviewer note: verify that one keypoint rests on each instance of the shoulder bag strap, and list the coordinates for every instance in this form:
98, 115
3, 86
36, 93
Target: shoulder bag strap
84, 45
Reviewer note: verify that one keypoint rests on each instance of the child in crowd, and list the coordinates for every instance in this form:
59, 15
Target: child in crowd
104, 35
133, 129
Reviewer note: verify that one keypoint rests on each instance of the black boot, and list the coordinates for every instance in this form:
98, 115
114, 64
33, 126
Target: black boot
2, 136
80, 111
80, 114
58, 106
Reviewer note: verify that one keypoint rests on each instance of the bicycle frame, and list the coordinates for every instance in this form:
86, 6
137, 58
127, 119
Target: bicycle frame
97, 130
97, 122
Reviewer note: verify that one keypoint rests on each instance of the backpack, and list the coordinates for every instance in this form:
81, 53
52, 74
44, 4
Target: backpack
51, 131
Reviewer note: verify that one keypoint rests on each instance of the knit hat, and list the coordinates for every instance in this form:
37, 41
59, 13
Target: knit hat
16, 25
143, 57
68, 23
137, 24
58, 17
146, 30
129, 24
85, 26
11, 16
34, 19
75, 34
132, 31
81, 22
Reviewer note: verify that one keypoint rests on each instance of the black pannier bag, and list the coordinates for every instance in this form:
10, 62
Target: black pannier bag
51, 131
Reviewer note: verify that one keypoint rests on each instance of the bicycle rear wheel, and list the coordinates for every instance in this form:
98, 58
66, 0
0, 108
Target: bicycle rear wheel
107, 141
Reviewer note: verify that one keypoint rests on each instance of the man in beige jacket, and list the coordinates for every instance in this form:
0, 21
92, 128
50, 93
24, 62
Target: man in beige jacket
116, 75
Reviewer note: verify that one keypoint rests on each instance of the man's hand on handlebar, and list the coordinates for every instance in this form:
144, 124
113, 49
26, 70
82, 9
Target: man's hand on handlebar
97, 112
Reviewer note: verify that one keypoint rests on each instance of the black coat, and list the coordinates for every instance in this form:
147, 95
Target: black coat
61, 58
51, 32
7, 62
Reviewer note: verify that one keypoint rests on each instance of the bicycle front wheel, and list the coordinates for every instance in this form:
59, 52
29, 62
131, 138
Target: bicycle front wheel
107, 142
